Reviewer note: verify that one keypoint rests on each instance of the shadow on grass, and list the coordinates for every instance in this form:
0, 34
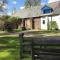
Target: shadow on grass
9, 48
9, 41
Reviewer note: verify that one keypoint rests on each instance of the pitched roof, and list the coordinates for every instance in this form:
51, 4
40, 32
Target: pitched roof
36, 11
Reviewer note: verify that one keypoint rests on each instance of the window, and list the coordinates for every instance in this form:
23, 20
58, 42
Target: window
43, 21
46, 9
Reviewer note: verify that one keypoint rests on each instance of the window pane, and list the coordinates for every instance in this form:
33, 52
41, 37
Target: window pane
47, 11
43, 21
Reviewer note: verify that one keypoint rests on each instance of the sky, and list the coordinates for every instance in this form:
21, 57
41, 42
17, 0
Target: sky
53, 1
20, 4
11, 5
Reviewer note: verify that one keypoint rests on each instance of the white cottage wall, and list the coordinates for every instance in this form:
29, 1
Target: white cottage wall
57, 19
44, 26
54, 18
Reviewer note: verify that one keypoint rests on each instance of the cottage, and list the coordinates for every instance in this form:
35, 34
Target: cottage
40, 17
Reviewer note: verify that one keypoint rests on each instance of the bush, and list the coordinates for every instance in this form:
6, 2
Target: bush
53, 25
23, 28
9, 26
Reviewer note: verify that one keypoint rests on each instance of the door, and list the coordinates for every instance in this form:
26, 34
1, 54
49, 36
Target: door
44, 22
37, 23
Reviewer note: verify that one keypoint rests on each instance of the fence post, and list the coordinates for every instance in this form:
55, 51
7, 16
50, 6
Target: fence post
32, 50
21, 36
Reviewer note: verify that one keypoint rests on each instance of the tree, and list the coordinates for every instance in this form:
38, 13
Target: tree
3, 20
3, 4
16, 21
29, 3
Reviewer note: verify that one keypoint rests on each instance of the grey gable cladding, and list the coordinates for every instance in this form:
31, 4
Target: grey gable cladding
36, 11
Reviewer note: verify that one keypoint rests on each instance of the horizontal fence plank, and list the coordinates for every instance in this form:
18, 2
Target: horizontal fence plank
45, 49
48, 49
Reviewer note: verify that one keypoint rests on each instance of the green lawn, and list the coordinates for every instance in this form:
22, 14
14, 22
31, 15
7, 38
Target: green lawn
45, 32
9, 48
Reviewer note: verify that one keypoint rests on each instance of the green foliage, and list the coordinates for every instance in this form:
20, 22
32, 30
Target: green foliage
4, 18
29, 3
15, 21
10, 23
12, 19
53, 25
9, 26
11, 53
17, 30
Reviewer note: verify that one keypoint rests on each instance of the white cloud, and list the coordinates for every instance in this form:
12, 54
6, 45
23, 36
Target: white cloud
50, 1
9, 13
22, 7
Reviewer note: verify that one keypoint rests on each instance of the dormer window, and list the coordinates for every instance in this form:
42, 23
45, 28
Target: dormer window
47, 9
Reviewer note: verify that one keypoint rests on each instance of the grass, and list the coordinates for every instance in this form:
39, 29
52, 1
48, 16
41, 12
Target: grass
44, 32
9, 48
17, 30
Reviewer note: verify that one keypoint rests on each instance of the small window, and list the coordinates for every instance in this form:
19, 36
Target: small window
43, 21
47, 11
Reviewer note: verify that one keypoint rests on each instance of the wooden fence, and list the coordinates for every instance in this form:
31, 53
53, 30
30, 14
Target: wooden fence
40, 48
25, 47
45, 49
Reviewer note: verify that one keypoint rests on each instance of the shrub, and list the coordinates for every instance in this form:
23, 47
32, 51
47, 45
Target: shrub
53, 25
9, 26
23, 28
